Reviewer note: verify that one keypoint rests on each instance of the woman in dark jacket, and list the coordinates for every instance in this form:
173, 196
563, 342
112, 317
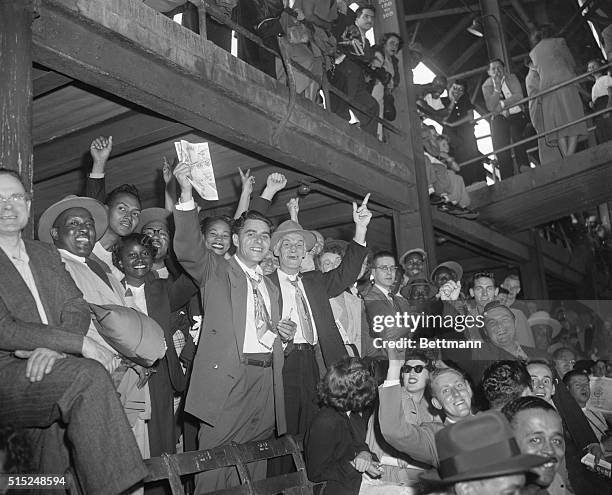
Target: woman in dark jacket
334, 447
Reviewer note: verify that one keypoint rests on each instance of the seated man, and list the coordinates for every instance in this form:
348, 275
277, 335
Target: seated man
450, 392
481, 457
538, 430
579, 437
349, 73
45, 381
579, 388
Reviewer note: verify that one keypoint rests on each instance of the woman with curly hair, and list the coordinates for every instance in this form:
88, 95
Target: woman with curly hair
334, 447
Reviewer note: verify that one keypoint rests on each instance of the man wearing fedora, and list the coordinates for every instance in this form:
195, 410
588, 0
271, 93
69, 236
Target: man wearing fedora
305, 300
480, 456
47, 385
544, 329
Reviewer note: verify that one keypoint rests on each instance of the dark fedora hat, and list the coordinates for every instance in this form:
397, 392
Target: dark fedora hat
481, 446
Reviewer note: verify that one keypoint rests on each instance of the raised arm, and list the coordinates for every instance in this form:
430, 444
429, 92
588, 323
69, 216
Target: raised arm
100, 150
189, 246
416, 441
248, 181
170, 186
346, 274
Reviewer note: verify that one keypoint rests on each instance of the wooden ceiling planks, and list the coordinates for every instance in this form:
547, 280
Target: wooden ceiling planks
67, 110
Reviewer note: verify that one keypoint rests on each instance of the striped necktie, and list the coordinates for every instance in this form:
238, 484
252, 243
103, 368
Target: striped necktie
303, 312
262, 319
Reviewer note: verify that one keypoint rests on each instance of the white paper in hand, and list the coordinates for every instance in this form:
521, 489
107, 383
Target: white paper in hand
197, 156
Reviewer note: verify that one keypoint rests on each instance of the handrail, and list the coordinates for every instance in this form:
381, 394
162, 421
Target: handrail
546, 91
220, 16
540, 135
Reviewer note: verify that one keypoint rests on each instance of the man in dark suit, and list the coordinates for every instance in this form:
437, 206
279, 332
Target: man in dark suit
305, 300
43, 321
236, 387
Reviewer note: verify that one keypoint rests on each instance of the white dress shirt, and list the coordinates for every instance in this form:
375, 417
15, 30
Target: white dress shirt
290, 311
251, 342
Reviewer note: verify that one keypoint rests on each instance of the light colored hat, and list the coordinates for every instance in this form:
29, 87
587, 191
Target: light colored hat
47, 219
291, 227
412, 251
543, 318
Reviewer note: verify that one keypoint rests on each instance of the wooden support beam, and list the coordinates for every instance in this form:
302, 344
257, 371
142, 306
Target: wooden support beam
450, 35
533, 271
477, 45
49, 81
432, 14
16, 90
473, 9
479, 235
157, 64
548, 192
130, 131
414, 222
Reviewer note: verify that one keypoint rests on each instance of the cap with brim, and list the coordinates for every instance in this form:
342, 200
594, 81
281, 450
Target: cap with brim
149, 215
412, 251
543, 318
481, 446
291, 227
334, 244
94, 207
453, 266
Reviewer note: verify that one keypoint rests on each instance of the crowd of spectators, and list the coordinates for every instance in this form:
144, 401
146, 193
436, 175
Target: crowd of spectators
127, 333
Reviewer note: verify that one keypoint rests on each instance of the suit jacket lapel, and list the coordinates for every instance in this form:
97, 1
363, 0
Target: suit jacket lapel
238, 300
274, 280
15, 291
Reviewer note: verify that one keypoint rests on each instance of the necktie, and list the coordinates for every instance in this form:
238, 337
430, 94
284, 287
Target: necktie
394, 302
303, 313
262, 319
95, 267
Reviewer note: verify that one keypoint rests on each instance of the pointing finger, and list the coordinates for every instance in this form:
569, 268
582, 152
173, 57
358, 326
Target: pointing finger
365, 200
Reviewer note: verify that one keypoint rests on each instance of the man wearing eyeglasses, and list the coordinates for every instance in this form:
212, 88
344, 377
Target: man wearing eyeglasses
47, 386
380, 301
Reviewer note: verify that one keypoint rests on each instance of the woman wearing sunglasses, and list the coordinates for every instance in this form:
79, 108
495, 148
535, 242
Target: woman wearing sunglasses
399, 467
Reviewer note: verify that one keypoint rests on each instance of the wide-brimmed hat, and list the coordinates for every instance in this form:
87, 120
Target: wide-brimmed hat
149, 215
543, 318
412, 251
291, 227
97, 210
453, 266
481, 446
